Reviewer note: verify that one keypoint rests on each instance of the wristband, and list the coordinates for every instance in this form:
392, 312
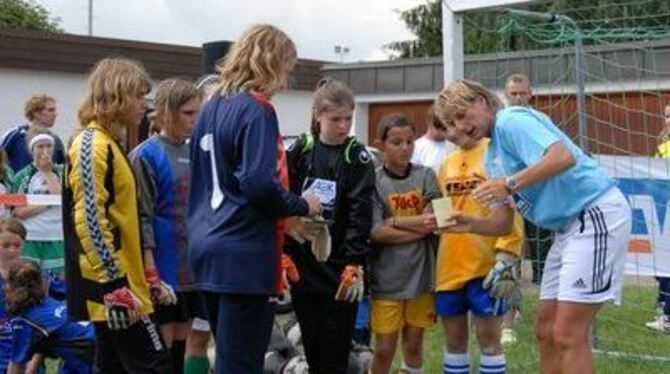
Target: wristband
151, 275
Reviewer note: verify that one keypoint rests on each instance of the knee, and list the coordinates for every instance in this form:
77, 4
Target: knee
566, 338
384, 352
489, 343
544, 331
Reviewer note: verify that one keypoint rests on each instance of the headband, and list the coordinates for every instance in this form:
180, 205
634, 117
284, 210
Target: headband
39, 138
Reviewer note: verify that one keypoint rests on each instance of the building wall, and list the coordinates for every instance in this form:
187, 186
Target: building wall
620, 123
16, 85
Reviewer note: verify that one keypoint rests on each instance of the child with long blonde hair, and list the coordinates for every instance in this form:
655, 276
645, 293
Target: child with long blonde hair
104, 267
239, 195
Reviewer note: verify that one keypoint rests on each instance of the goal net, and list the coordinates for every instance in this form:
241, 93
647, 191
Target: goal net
608, 94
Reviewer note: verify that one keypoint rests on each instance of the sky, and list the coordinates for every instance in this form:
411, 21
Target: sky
316, 26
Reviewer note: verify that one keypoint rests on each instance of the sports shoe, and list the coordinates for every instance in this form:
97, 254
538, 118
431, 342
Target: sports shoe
661, 323
508, 337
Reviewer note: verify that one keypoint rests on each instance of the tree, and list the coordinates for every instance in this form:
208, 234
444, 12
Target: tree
424, 21
28, 15
631, 19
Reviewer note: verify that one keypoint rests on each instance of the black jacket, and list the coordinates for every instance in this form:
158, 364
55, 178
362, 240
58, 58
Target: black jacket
351, 218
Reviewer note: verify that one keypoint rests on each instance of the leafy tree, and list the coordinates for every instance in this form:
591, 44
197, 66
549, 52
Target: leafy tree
28, 15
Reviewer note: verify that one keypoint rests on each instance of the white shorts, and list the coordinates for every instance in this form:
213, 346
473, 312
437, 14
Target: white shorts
587, 260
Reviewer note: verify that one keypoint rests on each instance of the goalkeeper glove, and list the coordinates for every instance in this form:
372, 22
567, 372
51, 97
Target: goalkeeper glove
351, 287
501, 280
161, 292
289, 272
121, 308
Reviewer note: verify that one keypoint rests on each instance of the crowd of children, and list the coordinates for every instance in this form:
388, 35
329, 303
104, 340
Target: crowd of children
197, 230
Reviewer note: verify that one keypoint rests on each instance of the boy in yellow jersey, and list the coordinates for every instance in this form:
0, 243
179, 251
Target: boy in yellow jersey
474, 272
403, 262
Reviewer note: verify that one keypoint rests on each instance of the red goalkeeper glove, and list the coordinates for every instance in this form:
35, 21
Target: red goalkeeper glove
289, 272
121, 308
351, 287
161, 292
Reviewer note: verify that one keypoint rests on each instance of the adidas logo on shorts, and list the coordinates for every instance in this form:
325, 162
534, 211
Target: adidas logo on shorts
579, 284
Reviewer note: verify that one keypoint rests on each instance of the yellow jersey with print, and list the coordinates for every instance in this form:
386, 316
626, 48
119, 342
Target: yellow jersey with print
103, 249
464, 257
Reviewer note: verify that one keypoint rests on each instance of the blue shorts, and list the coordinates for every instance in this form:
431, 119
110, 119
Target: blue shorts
363, 314
473, 297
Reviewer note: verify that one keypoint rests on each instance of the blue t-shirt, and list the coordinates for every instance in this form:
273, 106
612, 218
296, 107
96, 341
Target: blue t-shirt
5, 330
236, 196
163, 175
45, 328
520, 138
18, 154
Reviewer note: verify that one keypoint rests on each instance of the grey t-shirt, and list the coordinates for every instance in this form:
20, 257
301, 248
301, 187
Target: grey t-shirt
406, 270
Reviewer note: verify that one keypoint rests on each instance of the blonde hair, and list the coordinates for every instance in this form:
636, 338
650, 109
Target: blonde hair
111, 83
664, 136
517, 78
257, 61
171, 94
36, 104
458, 96
330, 94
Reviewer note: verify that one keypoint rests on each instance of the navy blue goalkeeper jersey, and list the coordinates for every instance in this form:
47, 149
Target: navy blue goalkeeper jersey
45, 328
236, 196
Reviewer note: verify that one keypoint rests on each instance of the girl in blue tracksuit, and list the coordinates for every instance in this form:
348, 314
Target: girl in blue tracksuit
40, 324
239, 194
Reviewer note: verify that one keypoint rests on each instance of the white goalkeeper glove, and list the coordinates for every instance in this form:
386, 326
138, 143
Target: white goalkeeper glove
351, 287
161, 292
501, 280
122, 308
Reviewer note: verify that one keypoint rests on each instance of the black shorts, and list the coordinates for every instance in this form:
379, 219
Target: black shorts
190, 304
138, 349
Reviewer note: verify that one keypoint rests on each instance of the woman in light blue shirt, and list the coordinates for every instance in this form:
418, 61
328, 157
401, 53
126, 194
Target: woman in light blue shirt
554, 184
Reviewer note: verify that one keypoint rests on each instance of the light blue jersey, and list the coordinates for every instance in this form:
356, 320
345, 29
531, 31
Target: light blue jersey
520, 138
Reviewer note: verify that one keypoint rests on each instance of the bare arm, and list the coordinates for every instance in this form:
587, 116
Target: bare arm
500, 223
556, 160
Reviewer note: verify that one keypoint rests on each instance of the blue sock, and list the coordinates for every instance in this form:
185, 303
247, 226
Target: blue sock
456, 363
492, 364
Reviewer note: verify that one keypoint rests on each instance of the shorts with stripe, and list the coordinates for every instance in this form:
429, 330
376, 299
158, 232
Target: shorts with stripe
587, 260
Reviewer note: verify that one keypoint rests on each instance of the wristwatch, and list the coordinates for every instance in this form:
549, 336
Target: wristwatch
511, 184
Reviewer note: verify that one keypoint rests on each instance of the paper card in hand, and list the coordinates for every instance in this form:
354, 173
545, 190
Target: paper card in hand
442, 211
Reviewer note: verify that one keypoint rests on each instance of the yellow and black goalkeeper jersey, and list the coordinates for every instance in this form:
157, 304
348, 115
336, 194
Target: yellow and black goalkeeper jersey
101, 223
463, 257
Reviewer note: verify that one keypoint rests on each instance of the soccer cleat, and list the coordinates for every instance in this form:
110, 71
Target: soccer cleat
661, 324
509, 337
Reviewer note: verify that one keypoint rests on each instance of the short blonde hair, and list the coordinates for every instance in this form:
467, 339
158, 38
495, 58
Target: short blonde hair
36, 104
458, 96
517, 78
111, 83
257, 61
171, 94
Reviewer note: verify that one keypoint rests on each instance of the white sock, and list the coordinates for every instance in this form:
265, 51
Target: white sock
492, 364
411, 370
456, 363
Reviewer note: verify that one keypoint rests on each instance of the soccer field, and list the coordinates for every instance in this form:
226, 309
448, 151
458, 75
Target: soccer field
618, 329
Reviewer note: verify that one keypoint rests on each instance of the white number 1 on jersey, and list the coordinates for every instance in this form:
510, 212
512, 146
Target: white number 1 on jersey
207, 145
